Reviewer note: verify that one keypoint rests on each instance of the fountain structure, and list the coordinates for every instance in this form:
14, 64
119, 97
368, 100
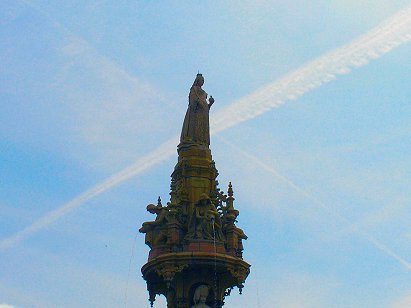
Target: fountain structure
196, 249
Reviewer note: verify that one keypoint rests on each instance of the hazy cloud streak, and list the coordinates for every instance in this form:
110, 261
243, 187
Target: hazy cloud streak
379, 41
390, 34
153, 158
319, 203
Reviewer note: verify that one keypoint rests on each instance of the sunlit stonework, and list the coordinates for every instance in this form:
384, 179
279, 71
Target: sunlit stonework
195, 257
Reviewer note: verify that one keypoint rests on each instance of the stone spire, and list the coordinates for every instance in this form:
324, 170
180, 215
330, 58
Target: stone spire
194, 242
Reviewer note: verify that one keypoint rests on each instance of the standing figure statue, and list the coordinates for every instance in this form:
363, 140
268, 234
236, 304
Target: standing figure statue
200, 297
196, 126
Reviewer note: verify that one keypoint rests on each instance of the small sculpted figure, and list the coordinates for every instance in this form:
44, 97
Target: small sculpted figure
202, 219
239, 245
196, 127
154, 233
200, 297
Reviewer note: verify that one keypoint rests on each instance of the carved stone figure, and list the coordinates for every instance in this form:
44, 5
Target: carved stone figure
156, 232
201, 221
200, 297
196, 127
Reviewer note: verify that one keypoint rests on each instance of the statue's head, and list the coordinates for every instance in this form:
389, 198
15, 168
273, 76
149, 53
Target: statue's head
151, 208
200, 294
199, 81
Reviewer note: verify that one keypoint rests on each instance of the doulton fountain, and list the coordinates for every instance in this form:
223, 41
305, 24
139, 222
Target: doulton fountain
196, 250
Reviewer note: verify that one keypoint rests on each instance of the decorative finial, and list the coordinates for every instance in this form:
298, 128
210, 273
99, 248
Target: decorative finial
159, 202
230, 190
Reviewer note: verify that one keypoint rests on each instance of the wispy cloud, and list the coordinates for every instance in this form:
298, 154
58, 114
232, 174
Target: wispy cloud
21, 298
403, 302
47, 268
108, 118
107, 107
380, 246
292, 290
150, 160
392, 33
379, 41
390, 210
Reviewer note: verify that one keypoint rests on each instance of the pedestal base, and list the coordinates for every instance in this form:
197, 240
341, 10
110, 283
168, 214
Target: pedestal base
177, 275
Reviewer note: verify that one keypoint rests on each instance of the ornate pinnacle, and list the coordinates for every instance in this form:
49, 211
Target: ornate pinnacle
230, 190
159, 202
231, 212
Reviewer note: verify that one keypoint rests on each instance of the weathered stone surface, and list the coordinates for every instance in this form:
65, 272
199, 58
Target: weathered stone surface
196, 127
194, 240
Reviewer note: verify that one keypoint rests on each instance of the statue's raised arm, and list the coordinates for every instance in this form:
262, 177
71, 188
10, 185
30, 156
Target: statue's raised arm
210, 101
196, 127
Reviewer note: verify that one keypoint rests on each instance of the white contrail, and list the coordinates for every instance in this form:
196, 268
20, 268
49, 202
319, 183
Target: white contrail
256, 161
379, 41
392, 33
153, 158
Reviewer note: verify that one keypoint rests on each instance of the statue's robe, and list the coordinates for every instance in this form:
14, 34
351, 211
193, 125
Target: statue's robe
196, 126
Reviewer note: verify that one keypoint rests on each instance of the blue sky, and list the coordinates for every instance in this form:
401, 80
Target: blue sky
88, 88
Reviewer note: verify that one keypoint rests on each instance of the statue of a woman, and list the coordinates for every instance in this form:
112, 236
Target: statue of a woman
196, 127
205, 222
